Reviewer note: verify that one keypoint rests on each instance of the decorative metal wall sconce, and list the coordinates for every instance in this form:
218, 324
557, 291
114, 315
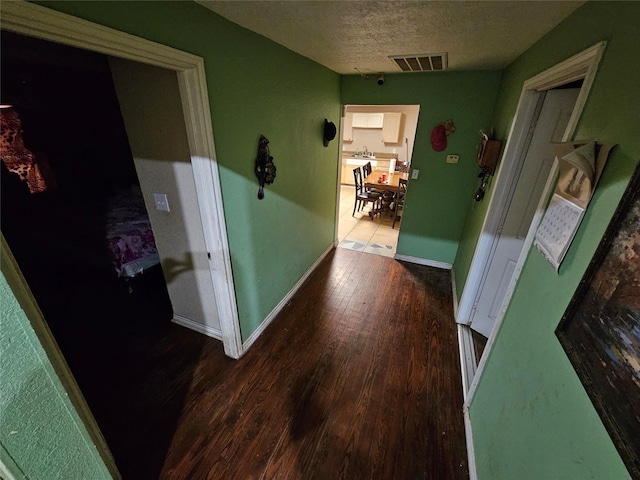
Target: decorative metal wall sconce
264, 167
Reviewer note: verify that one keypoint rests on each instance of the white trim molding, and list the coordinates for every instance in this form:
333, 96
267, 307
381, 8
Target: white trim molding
198, 327
278, 308
6, 473
468, 359
41, 22
454, 292
423, 261
471, 454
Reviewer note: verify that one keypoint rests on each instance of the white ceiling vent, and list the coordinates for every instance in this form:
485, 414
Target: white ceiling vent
427, 62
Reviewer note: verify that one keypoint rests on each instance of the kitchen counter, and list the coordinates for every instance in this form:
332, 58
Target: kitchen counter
359, 161
350, 162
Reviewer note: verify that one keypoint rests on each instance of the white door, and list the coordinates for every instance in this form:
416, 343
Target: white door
552, 122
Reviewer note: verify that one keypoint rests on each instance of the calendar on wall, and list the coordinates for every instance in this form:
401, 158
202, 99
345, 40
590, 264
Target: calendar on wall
580, 166
558, 227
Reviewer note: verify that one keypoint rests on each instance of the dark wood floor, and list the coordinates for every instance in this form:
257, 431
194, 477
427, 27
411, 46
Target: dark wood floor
357, 378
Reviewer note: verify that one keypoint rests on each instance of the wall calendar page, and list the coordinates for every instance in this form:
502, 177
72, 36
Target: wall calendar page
580, 166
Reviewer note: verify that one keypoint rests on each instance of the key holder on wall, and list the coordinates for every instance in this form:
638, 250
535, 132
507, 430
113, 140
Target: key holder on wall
264, 167
484, 179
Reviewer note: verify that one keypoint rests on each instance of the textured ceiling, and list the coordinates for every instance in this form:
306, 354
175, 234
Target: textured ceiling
358, 36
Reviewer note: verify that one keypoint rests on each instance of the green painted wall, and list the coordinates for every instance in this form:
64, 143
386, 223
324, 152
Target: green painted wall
255, 87
437, 201
41, 435
531, 417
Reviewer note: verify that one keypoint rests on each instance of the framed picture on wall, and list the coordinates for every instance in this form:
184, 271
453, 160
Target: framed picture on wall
600, 330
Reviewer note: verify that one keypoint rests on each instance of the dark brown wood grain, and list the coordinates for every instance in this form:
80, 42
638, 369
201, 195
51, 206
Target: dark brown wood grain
357, 378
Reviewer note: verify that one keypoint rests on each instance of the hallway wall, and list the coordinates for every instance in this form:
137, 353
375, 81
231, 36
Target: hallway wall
531, 416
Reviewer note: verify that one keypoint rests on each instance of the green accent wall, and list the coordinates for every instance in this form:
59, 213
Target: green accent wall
41, 434
256, 87
437, 201
531, 417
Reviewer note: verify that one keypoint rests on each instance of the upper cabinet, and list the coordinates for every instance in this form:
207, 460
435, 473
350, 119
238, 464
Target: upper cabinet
389, 123
376, 120
347, 130
391, 127
368, 120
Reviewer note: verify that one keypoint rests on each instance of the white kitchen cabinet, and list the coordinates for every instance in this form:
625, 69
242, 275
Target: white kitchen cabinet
347, 130
375, 120
368, 120
391, 127
360, 120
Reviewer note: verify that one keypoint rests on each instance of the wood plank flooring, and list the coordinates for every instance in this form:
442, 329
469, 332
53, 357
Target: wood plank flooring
357, 378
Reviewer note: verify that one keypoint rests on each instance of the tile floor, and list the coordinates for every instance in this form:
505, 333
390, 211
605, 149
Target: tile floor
360, 232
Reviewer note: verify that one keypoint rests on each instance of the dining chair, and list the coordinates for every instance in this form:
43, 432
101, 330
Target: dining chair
399, 202
402, 167
362, 197
367, 169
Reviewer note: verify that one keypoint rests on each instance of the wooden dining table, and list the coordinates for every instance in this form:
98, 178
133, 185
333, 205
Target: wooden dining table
392, 184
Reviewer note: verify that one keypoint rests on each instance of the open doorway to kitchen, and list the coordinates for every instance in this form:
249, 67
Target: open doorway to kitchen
382, 136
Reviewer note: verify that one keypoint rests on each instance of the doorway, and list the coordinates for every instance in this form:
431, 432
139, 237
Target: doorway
383, 137
105, 321
43, 23
581, 67
554, 111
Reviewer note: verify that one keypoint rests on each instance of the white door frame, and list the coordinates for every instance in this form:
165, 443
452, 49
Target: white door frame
581, 66
336, 223
40, 22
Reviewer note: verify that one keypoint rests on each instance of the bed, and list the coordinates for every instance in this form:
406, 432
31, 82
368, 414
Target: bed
129, 237
111, 233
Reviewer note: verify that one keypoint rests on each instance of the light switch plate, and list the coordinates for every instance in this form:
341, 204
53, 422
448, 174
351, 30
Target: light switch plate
453, 158
160, 199
414, 174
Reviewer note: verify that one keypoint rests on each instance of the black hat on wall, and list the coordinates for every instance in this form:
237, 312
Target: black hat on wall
329, 132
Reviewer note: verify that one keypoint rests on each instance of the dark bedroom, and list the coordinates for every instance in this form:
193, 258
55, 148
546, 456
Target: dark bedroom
74, 218
72, 207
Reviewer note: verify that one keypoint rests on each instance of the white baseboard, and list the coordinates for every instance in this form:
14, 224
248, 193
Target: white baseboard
423, 261
468, 366
468, 360
454, 293
471, 454
198, 327
274, 313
